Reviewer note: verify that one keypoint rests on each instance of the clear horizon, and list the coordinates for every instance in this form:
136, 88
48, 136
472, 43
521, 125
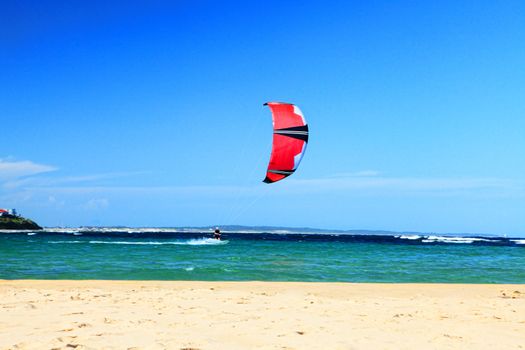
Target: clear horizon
151, 114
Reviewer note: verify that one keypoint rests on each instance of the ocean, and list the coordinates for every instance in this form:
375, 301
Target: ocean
147, 254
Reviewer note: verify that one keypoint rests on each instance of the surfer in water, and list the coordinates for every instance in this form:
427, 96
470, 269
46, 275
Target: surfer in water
217, 234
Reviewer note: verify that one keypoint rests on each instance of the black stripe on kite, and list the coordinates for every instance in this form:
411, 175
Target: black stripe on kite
281, 172
303, 128
269, 181
303, 137
285, 173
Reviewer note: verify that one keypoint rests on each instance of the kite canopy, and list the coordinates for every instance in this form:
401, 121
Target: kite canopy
290, 136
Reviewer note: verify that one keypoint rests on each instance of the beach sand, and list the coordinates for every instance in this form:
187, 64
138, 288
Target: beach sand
259, 315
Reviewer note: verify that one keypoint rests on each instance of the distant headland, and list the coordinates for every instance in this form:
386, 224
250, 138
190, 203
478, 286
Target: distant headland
11, 220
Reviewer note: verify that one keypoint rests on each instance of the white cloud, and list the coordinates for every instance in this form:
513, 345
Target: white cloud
57, 203
371, 185
374, 185
147, 190
34, 182
10, 170
22, 187
96, 204
362, 173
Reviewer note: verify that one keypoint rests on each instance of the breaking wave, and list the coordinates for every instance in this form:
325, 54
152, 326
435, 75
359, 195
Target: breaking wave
456, 240
411, 237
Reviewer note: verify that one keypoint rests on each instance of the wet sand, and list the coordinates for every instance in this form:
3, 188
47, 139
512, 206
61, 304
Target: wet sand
259, 315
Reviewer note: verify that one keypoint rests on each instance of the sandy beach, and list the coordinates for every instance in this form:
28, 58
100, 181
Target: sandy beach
259, 315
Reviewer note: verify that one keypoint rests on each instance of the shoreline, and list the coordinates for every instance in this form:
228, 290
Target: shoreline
226, 282
117, 314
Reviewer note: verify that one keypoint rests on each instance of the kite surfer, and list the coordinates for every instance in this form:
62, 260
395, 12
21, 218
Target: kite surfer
217, 234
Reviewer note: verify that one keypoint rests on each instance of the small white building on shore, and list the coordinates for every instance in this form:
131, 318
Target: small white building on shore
8, 212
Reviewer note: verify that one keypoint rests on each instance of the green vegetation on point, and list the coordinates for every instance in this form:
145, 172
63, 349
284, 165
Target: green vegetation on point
11, 222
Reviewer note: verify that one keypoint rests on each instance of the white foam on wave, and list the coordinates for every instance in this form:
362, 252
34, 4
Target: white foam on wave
191, 268
31, 233
202, 241
518, 241
411, 237
205, 241
456, 240
63, 230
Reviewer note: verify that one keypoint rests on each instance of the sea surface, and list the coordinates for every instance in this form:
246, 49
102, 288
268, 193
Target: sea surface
170, 255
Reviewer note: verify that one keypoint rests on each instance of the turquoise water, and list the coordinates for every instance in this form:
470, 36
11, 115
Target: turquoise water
265, 257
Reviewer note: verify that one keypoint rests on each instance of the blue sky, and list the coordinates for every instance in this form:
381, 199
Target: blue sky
150, 113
